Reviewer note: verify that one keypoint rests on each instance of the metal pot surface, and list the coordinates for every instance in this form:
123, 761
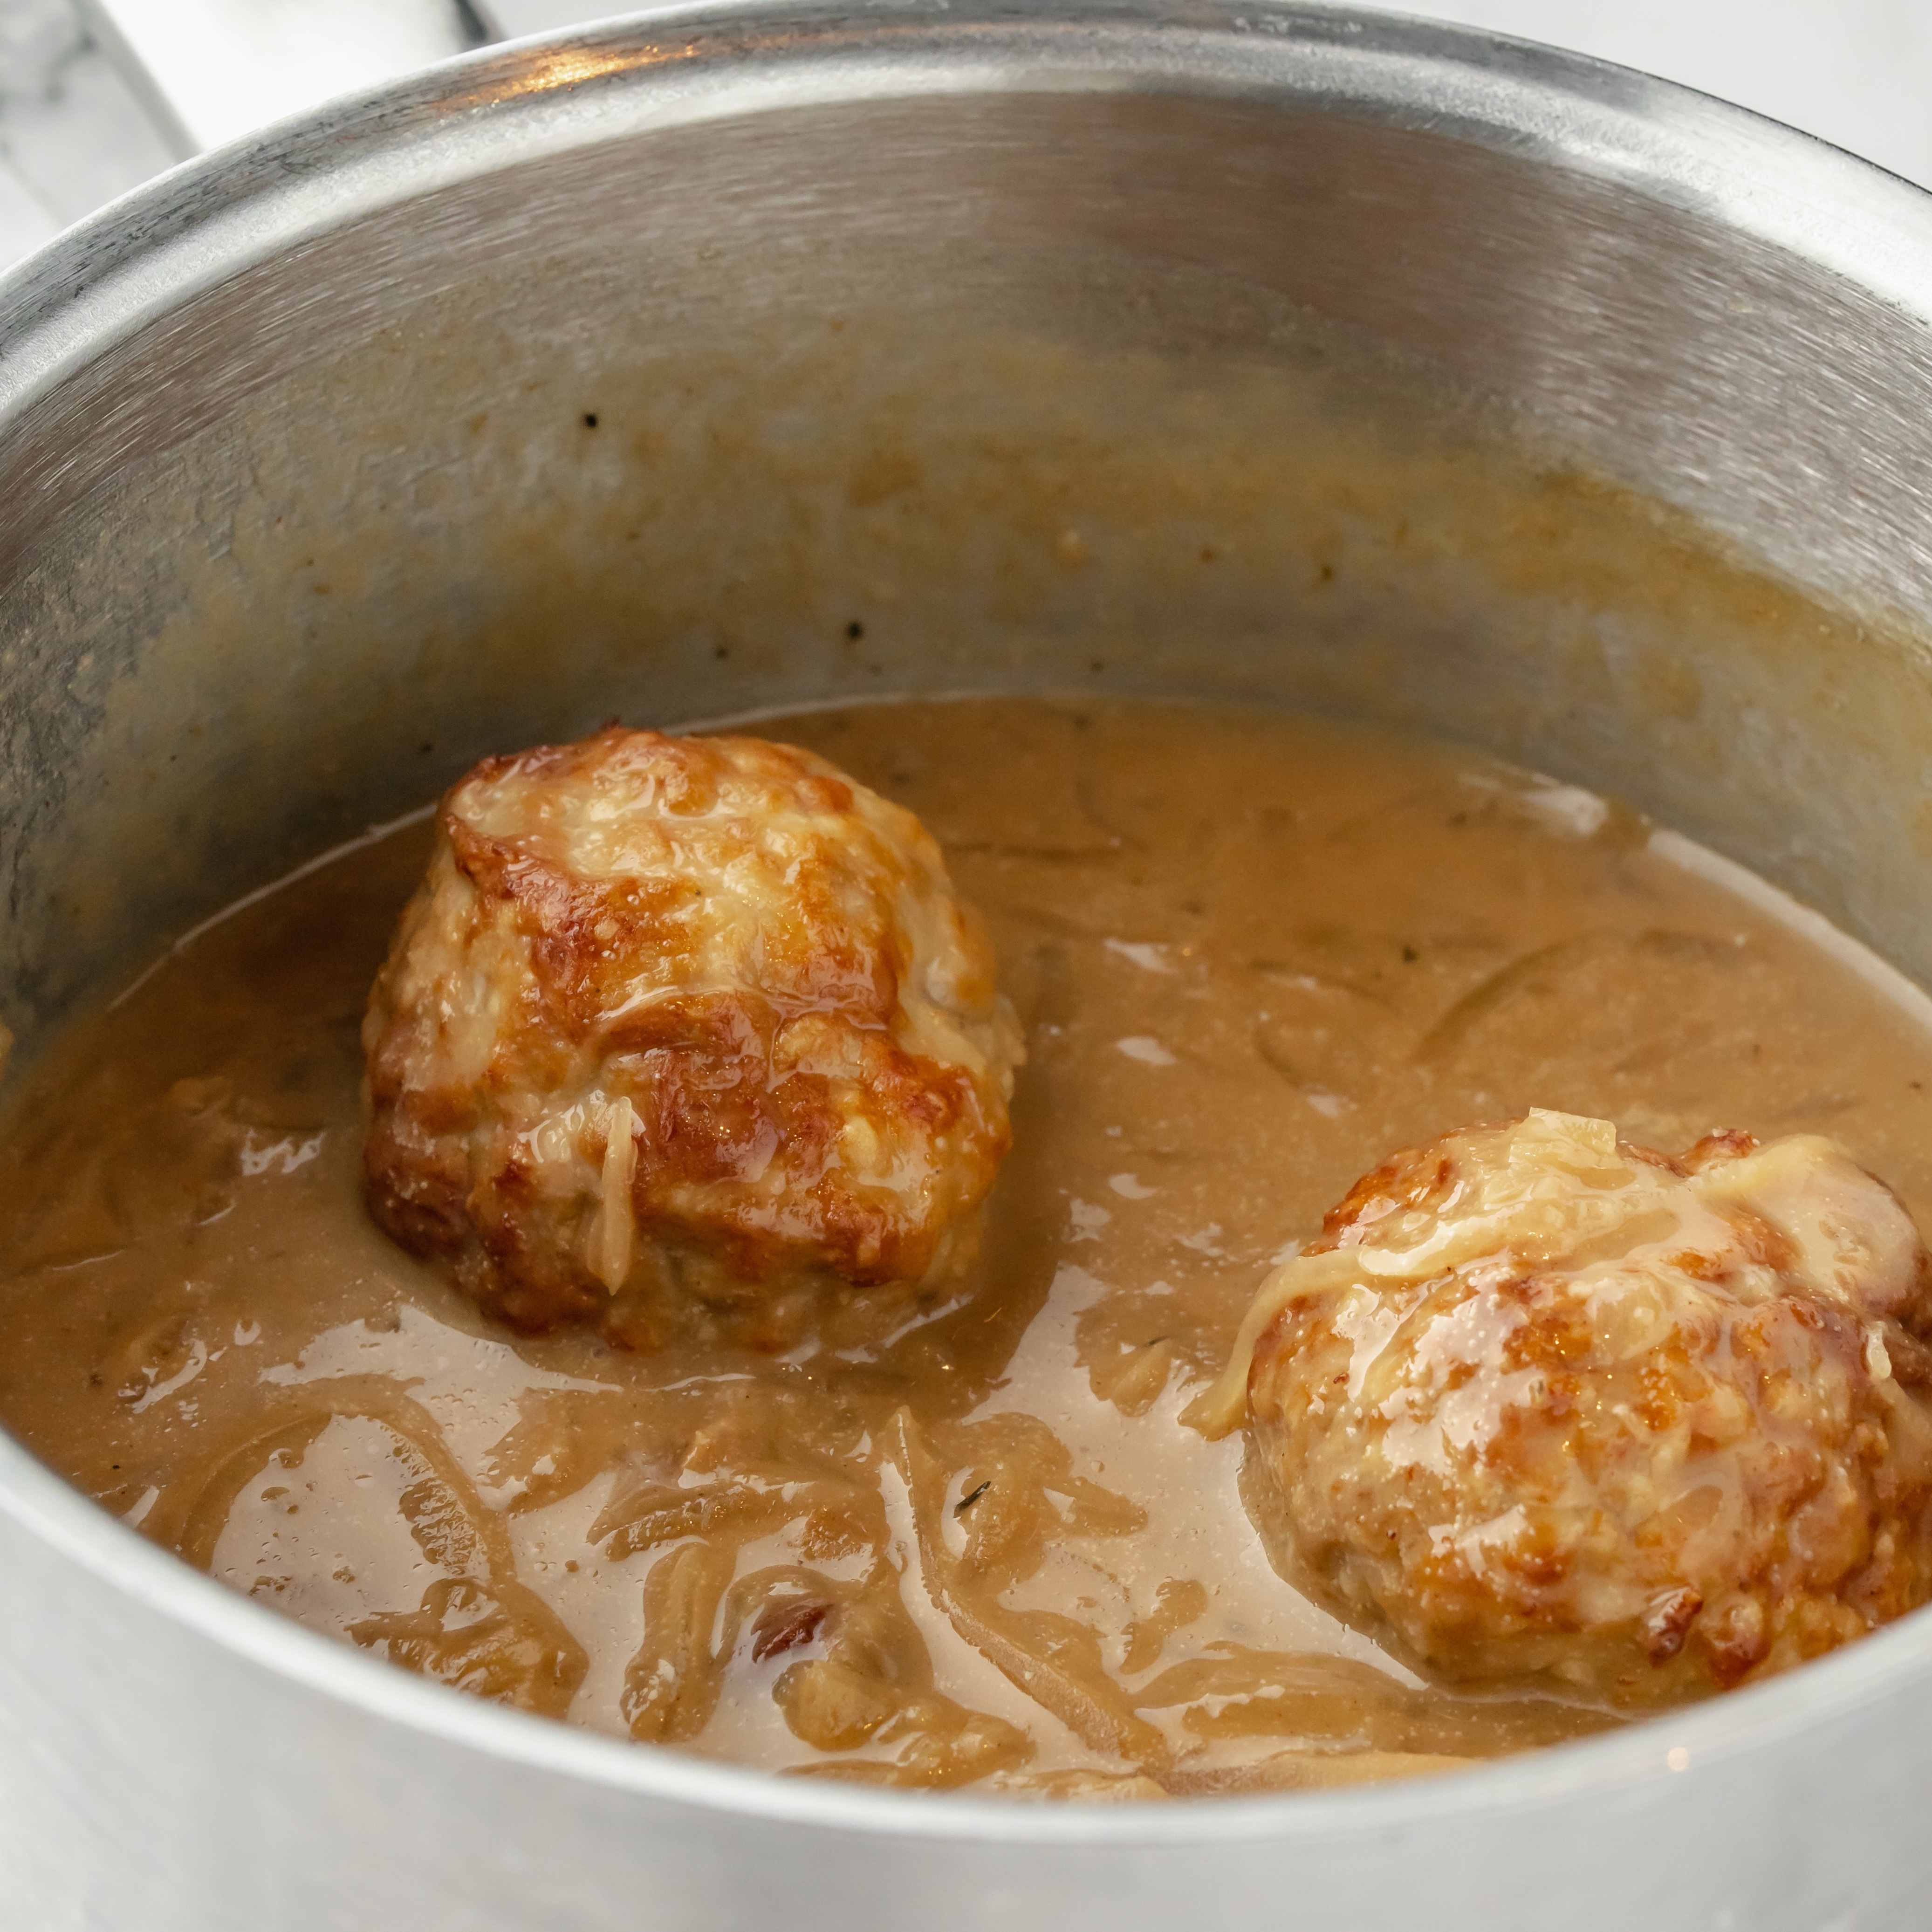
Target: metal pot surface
616, 372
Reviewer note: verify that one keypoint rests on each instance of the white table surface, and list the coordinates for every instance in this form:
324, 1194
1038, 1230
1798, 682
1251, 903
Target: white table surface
1858, 72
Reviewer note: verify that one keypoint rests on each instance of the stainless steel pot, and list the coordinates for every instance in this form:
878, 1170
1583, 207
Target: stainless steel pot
638, 371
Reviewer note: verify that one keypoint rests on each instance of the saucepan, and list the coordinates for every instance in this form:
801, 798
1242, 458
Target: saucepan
734, 356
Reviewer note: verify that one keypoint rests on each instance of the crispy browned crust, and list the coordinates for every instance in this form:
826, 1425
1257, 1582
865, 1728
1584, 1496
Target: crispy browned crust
764, 960
1660, 1464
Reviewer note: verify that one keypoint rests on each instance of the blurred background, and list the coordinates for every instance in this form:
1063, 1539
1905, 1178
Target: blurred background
1856, 72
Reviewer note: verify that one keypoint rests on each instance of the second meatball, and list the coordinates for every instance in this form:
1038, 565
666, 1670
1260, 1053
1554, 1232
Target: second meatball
685, 1030
1539, 1403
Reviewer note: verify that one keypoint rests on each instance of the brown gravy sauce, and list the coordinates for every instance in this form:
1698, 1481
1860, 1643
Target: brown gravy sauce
1253, 954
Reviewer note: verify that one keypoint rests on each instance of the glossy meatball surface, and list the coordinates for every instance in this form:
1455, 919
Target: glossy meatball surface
1539, 1404
685, 1033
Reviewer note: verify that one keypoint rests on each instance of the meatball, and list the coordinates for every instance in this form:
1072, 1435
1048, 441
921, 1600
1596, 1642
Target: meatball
685, 1034
1540, 1404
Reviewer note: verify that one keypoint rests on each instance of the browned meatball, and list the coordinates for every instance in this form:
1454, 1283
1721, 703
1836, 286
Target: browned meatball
1540, 1403
685, 1033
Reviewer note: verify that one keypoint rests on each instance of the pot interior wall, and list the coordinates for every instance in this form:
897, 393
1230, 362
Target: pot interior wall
1118, 394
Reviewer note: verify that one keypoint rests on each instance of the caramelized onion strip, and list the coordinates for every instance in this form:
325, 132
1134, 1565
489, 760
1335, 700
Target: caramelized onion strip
449, 1520
1054, 1660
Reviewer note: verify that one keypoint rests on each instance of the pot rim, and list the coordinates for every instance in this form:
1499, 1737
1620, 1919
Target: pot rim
212, 216
694, 60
